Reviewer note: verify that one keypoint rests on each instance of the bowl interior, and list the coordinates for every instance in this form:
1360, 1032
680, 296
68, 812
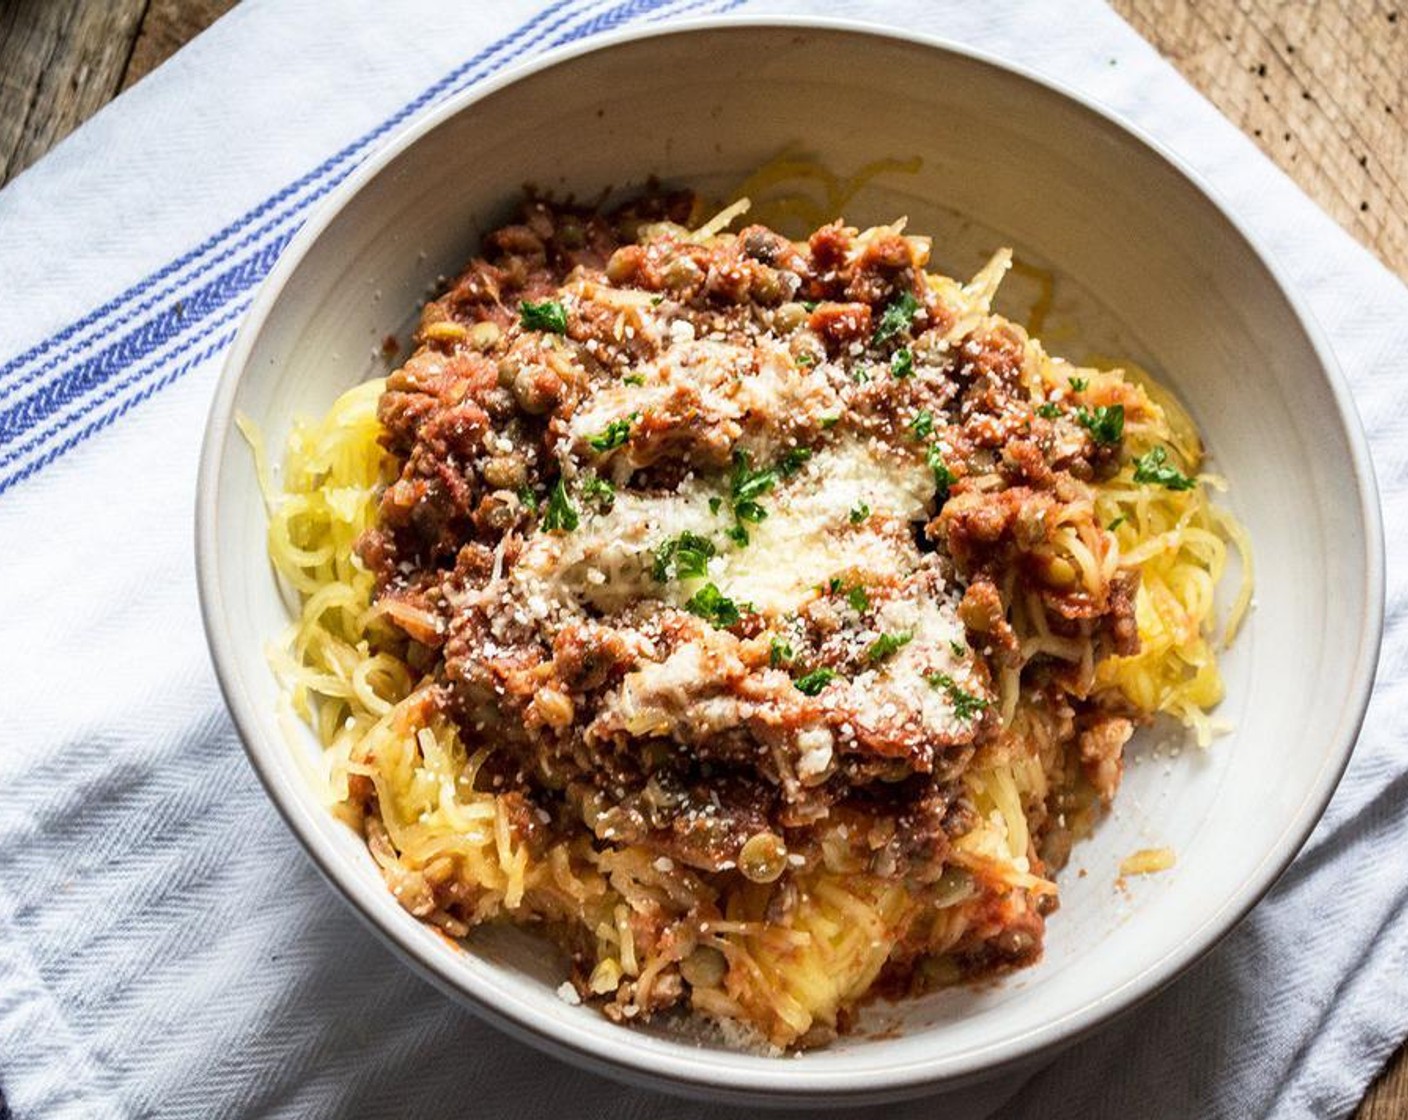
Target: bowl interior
1144, 267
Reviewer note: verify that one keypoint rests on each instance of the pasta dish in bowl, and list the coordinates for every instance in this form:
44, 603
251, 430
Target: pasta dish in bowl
726, 650
761, 619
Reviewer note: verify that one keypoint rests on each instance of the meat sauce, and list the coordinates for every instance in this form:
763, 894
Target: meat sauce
604, 426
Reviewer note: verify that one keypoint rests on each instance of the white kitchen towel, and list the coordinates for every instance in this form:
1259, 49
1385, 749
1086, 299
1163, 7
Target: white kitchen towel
165, 947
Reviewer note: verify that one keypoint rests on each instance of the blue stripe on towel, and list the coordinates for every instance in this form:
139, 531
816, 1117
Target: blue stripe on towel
272, 202
93, 381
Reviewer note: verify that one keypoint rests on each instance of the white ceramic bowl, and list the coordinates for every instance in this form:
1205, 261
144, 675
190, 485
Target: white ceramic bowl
1148, 265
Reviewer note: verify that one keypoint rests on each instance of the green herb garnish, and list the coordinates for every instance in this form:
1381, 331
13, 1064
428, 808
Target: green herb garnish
598, 490
712, 604
858, 599
809, 305
546, 316
1116, 523
829, 422
793, 461
1048, 410
965, 704
886, 644
634, 379
1154, 468
923, 424
815, 681
806, 360
615, 434
959, 649
897, 317
747, 486
902, 364
1105, 424
859, 512
1079, 384
560, 513
529, 497
685, 556
943, 477
779, 652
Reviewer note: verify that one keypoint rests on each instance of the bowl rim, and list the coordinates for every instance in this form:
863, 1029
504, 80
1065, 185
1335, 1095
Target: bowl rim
685, 1069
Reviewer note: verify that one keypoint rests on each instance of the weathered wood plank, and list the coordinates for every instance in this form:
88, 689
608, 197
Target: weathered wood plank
1322, 88
1387, 1098
168, 26
60, 61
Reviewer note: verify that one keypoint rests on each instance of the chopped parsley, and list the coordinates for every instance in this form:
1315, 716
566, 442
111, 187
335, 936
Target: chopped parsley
897, 317
1048, 411
805, 359
685, 557
835, 583
943, 477
1116, 523
858, 599
779, 652
634, 379
657, 300
747, 486
829, 422
1079, 384
959, 649
546, 316
749, 511
561, 515
815, 681
615, 434
886, 644
965, 704
529, 497
712, 604
598, 490
715, 504
859, 512
1105, 424
1154, 467
738, 535
809, 305
902, 364
792, 462
861, 375
923, 424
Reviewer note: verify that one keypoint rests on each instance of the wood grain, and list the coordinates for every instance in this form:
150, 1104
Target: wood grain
1320, 87
60, 61
63, 60
167, 26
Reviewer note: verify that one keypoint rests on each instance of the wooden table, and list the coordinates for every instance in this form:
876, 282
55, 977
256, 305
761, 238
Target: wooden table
1320, 87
